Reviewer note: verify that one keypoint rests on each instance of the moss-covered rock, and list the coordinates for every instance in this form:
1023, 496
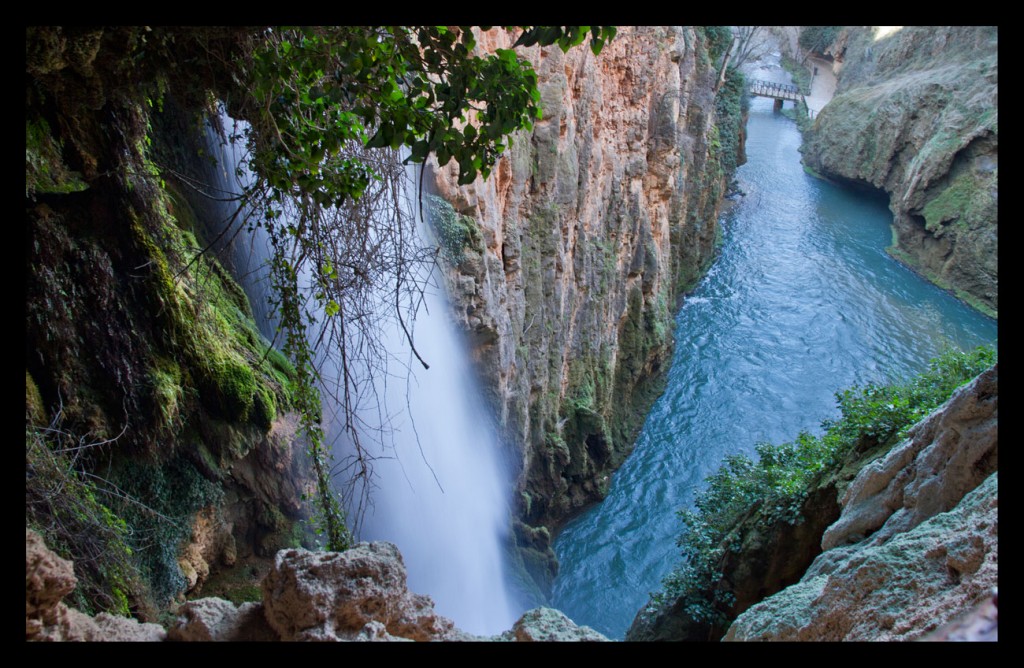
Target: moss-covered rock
140, 345
915, 114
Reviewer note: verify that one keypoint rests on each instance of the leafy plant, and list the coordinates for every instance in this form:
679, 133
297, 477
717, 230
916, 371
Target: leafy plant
73, 511
730, 106
776, 484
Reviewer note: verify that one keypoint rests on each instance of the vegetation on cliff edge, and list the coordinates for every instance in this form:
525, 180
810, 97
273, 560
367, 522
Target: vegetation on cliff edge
777, 483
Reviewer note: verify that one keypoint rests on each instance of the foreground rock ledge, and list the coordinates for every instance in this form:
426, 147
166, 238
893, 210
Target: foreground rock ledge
357, 595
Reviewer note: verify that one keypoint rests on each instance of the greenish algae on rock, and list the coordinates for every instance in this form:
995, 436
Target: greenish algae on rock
141, 351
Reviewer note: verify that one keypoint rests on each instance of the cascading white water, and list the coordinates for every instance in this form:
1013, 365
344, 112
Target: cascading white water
444, 498
441, 495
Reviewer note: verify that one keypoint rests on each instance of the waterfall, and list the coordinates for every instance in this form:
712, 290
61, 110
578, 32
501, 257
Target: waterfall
443, 498
440, 492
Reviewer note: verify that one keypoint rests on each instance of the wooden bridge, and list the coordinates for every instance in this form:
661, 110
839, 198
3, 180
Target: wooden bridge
775, 90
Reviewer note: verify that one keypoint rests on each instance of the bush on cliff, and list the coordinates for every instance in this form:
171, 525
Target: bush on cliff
778, 482
818, 38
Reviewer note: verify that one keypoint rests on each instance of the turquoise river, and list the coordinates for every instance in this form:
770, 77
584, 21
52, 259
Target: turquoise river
802, 301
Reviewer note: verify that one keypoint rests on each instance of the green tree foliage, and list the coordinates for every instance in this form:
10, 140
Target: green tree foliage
731, 105
818, 38
719, 40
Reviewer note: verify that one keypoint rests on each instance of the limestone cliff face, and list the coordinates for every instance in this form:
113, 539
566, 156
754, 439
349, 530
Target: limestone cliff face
915, 114
590, 228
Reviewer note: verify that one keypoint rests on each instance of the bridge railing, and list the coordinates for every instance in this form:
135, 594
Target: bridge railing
759, 87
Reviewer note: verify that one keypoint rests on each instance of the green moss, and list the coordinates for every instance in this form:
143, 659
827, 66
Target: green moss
911, 262
35, 411
264, 408
169, 341
45, 171
207, 320
812, 172
251, 593
235, 386
165, 380
966, 200
454, 232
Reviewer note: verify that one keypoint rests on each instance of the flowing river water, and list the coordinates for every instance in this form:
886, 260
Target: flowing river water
802, 302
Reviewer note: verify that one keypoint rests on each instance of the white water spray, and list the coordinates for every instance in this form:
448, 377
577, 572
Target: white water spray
441, 495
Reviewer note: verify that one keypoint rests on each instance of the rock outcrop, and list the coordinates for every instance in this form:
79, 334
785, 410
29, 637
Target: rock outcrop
217, 620
346, 595
915, 114
580, 245
943, 457
48, 579
916, 545
356, 595
549, 625
900, 589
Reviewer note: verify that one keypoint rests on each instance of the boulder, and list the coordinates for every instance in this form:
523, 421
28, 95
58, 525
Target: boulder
214, 619
48, 579
336, 595
549, 625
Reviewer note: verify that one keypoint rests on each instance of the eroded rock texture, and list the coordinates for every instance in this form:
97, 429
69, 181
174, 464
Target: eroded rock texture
582, 241
357, 595
549, 625
340, 595
915, 114
899, 589
48, 579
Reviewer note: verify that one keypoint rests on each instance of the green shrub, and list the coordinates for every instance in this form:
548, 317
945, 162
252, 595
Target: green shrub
776, 485
731, 104
175, 491
719, 39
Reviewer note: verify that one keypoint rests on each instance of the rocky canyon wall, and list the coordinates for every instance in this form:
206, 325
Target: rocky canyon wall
915, 114
580, 245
